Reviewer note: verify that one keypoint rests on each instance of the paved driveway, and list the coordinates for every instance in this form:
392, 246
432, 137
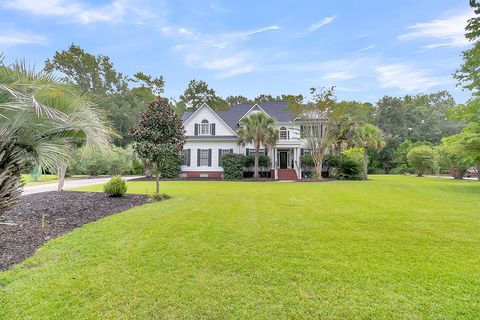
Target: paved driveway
69, 184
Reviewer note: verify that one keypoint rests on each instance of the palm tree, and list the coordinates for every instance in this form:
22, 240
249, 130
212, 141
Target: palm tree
41, 120
368, 136
258, 129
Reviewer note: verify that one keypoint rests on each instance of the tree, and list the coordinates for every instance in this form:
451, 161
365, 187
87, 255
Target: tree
198, 93
418, 118
159, 136
86, 123
320, 129
258, 129
421, 159
400, 156
368, 137
469, 73
40, 120
465, 146
233, 100
91, 73
155, 85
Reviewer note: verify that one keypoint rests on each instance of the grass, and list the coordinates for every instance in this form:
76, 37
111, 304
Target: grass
43, 179
389, 248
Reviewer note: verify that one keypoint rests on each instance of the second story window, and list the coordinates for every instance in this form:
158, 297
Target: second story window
205, 127
284, 135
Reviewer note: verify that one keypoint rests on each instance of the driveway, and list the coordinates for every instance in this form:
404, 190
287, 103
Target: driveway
69, 184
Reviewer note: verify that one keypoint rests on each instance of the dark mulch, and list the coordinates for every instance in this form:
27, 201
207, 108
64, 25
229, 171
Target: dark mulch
21, 231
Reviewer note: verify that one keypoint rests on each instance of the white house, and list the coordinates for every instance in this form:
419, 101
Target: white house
211, 134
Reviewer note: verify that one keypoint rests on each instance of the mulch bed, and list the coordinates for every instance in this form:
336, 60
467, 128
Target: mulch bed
21, 231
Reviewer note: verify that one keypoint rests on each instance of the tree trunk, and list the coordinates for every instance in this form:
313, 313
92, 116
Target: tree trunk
62, 170
255, 174
157, 181
318, 168
147, 168
365, 163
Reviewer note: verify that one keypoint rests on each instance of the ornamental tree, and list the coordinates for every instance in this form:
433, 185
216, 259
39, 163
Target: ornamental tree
159, 136
421, 159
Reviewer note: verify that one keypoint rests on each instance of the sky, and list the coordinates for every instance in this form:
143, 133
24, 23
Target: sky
367, 49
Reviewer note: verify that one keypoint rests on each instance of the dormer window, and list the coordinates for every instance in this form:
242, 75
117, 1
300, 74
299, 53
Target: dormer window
284, 134
204, 127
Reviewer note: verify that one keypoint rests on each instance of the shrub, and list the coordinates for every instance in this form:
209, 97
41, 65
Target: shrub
159, 197
421, 159
402, 169
348, 169
170, 167
116, 187
307, 163
263, 161
232, 164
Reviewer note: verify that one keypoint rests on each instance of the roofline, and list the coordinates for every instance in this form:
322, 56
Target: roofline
255, 105
216, 114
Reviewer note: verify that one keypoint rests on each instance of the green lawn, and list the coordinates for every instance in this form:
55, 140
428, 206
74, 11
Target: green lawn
43, 179
389, 248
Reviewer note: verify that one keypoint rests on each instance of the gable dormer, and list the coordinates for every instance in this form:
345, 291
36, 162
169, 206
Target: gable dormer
206, 122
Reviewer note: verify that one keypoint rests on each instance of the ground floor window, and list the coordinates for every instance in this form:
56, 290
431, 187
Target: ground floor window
261, 152
204, 157
186, 157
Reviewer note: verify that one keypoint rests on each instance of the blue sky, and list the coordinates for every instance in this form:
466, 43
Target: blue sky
366, 48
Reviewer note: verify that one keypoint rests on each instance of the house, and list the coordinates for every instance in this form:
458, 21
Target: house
211, 134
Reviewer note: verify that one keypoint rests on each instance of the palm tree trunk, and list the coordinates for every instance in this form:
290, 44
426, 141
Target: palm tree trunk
255, 174
62, 170
365, 163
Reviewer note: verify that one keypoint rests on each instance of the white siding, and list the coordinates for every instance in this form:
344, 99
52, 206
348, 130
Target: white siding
221, 129
215, 146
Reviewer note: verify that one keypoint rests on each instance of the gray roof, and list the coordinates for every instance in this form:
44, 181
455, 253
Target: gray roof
232, 117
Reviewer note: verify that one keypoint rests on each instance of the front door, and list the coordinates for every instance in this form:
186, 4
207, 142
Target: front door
283, 159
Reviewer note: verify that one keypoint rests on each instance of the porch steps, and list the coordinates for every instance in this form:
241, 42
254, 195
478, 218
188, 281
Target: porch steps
287, 174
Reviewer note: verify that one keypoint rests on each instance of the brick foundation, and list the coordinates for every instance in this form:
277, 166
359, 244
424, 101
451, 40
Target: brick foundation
202, 174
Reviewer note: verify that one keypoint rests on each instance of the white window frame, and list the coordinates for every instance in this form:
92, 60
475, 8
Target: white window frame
204, 157
284, 131
184, 157
204, 128
225, 151
261, 152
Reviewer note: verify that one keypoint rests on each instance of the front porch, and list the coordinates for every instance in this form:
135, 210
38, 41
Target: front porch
286, 163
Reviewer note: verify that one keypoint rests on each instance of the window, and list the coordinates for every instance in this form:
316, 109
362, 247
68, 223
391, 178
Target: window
261, 152
284, 133
204, 157
185, 156
306, 152
225, 151
205, 127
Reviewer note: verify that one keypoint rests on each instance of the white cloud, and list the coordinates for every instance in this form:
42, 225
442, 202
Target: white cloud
407, 78
78, 12
221, 53
339, 76
317, 25
10, 38
367, 48
447, 32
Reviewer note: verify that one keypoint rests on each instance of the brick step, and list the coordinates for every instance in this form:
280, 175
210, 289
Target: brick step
287, 174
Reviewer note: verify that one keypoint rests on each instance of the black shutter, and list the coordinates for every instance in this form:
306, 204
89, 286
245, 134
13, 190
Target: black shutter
188, 157
247, 152
301, 151
301, 128
219, 157
231, 150
196, 129
209, 157
198, 157
212, 129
